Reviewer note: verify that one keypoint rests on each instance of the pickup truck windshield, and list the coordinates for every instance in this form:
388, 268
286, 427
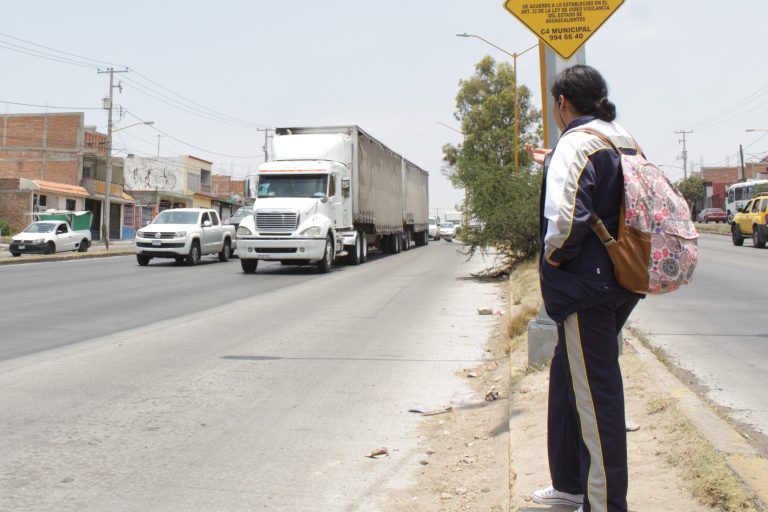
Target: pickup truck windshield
293, 186
170, 217
40, 227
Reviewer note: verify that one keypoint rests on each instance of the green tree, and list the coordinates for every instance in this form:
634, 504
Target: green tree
501, 200
692, 189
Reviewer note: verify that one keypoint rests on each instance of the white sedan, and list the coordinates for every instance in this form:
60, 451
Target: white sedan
448, 231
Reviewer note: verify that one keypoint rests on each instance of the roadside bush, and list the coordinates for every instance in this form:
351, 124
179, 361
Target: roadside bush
5, 229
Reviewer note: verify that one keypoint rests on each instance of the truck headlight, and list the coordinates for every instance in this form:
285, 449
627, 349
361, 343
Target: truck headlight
139, 234
37, 241
180, 234
242, 230
315, 231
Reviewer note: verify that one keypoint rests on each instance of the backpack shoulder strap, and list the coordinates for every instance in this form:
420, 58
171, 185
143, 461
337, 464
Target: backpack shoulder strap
597, 134
606, 139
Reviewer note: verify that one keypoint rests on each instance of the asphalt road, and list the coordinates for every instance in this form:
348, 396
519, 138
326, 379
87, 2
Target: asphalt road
717, 327
169, 388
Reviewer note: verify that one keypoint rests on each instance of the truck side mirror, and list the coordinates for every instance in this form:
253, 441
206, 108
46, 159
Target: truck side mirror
207, 224
345, 183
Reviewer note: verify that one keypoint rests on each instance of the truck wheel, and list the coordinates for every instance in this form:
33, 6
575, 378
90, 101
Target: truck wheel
736, 235
143, 260
15, 254
249, 266
325, 264
83, 247
50, 248
225, 252
757, 240
194, 254
363, 247
354, 255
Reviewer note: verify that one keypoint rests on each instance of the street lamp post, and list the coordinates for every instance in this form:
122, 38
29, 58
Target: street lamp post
108, 177
514, 84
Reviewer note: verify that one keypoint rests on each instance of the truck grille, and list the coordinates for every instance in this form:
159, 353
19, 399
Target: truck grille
276, 221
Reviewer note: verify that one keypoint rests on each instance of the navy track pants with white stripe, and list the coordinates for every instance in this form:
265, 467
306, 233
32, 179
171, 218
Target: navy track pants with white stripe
586, 429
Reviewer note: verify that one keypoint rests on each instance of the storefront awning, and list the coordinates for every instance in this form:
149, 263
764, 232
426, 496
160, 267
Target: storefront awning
60, 189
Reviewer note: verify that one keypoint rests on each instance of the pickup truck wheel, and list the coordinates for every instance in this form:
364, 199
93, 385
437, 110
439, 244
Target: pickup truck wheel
194, 254
363, 247
50, 248
143, 260
249, 266
15, 254
83, 247
736, 235
225, 252
324, 265
757, 240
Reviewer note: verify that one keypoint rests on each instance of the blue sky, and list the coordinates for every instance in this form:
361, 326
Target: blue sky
209, 74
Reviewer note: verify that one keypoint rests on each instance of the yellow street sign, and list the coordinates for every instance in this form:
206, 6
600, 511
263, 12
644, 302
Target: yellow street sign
564, 25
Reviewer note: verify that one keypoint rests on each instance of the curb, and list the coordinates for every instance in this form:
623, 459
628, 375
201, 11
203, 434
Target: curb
745, 461
32, 258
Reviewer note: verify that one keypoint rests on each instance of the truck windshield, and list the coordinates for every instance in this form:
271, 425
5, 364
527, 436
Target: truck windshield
171, 217
40, 227
293, 186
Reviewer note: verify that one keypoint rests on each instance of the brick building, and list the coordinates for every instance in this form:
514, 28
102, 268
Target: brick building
717, 180
54, 161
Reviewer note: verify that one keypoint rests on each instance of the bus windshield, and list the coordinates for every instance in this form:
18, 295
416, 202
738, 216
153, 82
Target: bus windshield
293, 186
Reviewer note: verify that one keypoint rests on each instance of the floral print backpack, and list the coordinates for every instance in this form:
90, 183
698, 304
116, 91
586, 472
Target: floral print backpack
656, 248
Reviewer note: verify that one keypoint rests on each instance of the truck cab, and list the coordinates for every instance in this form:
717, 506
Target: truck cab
303, 208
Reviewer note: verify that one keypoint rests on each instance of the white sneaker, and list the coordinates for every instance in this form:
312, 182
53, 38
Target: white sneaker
581, 509
551, 496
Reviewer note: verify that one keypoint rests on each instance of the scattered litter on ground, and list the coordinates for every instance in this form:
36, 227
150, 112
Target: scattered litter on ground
441, 410
492, 395
378, 453
484, 311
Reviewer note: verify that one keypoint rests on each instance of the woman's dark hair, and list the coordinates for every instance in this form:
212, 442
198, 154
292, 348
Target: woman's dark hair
587, 91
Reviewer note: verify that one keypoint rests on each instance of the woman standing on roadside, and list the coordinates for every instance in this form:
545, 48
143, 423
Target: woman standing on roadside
586, 434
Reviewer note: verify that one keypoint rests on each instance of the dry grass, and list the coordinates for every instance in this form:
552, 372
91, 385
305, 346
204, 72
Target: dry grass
518, 323
706, 470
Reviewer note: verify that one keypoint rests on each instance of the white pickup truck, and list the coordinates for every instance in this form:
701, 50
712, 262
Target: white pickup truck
185, 234
48, 237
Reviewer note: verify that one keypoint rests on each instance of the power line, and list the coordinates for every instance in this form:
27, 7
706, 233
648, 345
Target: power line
189, 144
59, 51
199, 109
49, 106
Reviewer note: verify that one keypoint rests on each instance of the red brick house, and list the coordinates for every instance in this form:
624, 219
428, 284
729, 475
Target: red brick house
54, 161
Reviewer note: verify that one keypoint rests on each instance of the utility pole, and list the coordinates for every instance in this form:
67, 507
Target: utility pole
741, 157
685, 153
108, 179
266, 142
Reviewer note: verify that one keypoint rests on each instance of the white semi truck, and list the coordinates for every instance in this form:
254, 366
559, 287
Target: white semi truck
331, 193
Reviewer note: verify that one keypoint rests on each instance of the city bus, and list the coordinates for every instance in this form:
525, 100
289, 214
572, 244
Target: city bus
740, 193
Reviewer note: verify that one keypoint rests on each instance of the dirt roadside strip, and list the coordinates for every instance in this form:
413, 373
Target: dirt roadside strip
489, 453
682, 455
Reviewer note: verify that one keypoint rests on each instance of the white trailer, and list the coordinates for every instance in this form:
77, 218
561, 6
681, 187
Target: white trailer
330, 193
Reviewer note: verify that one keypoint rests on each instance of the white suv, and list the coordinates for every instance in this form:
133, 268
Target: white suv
185, 234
